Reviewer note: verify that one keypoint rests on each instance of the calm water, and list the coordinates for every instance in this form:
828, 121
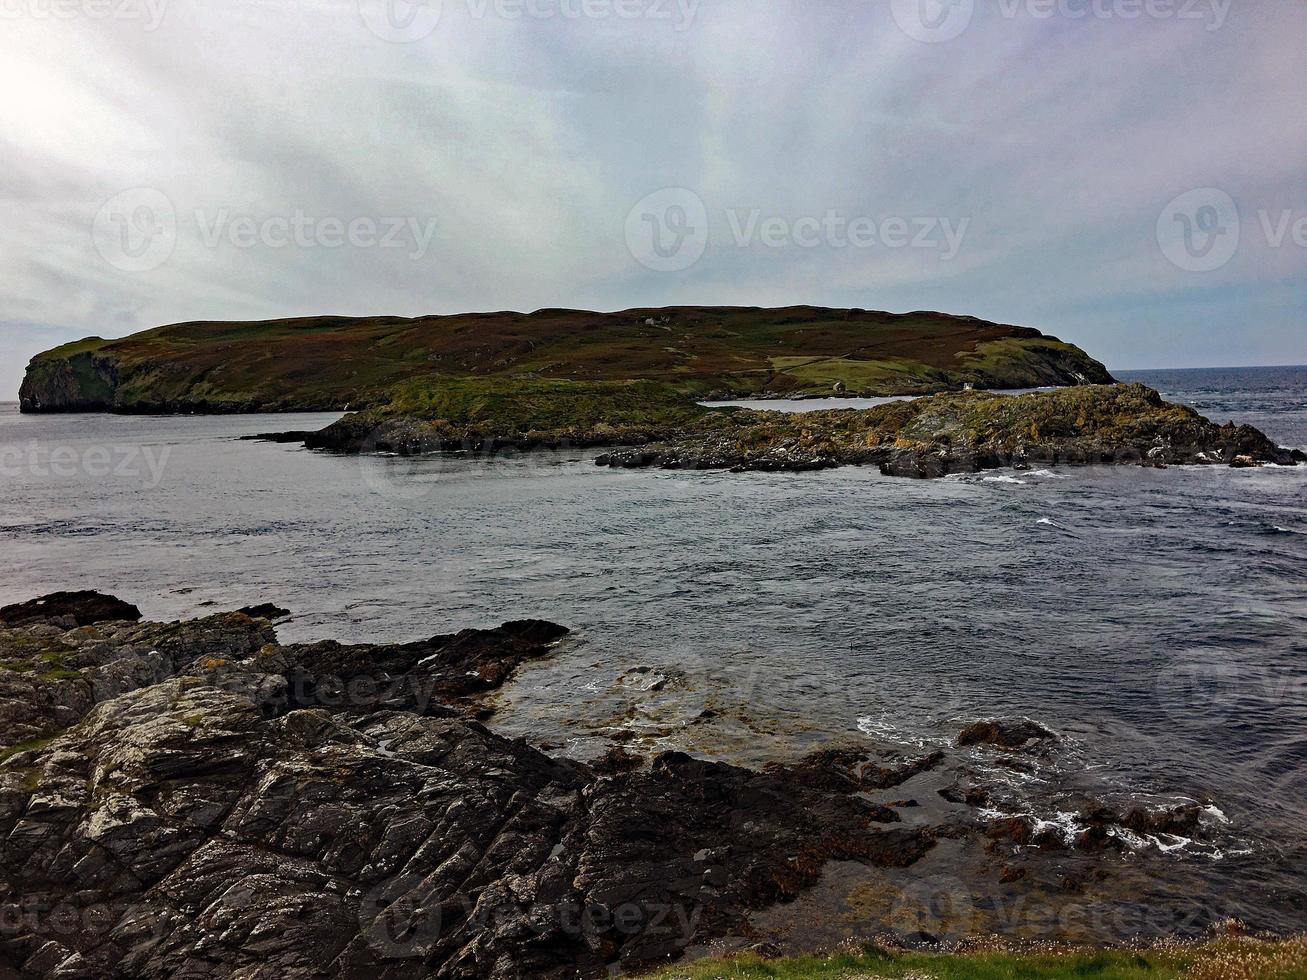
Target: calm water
1158, 619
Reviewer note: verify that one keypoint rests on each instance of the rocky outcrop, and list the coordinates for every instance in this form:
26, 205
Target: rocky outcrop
206, 801
1005, 733
69, 609
967, 432
366, 433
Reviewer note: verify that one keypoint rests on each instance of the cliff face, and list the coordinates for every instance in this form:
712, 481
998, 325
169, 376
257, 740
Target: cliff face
79, 381
328, 363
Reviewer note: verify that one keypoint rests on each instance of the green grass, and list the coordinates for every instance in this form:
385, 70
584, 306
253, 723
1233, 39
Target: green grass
859, 375
520, 405
48, 663
65, 351
8, 752
1227, 959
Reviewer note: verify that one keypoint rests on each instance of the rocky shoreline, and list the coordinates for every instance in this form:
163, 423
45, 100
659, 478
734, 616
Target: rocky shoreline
971, 431
196, 798
928, 437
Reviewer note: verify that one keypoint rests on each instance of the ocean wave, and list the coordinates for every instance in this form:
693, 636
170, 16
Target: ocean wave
1046, 475
1069, 825
884, 730
1049, 522
1002, 479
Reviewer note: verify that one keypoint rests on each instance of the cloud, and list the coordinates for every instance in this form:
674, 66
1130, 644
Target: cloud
524, 133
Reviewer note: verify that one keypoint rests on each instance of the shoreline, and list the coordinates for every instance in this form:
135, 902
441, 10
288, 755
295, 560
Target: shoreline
198, 753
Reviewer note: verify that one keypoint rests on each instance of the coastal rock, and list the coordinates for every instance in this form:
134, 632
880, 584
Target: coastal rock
966, 432
69, 609
1005, 733
264, 610
208, 801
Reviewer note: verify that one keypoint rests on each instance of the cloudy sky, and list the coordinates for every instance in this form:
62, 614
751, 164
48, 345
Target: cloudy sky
1126, 174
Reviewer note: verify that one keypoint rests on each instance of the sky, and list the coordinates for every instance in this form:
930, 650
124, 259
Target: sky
1124, 174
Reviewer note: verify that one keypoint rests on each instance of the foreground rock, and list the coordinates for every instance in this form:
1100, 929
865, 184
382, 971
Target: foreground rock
202, 800
967, 432
198, 799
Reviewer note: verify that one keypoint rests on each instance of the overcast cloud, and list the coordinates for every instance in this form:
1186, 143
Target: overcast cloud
1020, 160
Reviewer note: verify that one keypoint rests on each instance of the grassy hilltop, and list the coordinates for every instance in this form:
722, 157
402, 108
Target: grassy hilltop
326, 363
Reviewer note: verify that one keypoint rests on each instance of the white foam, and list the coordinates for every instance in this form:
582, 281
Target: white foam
1062, 821
1002, 479
886, 731
1049, 522
1046, 475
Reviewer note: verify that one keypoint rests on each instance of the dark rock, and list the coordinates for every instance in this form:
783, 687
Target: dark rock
293, 436
1018, 830
216, 803
1181, 821
975, 796
887, 777
1004, 733
1050, 839
616, 760
70, 609
264, 610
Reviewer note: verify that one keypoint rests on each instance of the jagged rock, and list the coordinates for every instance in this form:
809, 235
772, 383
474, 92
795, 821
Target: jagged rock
212, 802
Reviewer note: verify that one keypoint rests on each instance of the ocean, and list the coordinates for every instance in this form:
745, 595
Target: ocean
1156, 619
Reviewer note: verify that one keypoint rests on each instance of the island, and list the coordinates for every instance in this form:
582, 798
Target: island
636, 381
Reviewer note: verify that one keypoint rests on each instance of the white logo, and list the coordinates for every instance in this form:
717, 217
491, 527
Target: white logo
1199, 230
400, 21
933, 21
668, 230
136, 231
